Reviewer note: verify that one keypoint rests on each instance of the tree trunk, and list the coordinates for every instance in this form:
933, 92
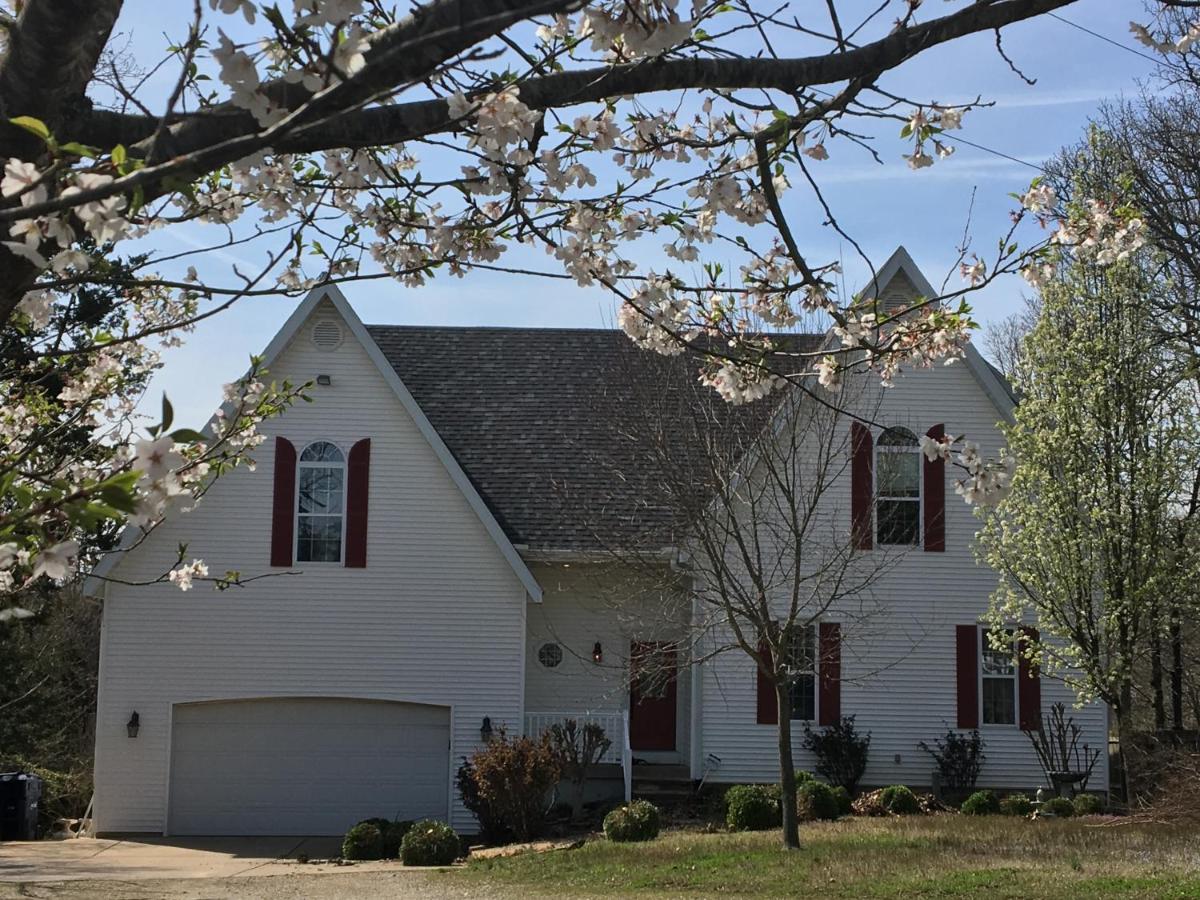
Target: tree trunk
1176, 669
1156, 673
787, 769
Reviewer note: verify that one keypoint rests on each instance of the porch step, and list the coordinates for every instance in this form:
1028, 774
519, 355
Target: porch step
662, 783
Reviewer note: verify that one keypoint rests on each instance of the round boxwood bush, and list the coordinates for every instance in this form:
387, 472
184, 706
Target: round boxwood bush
392, 834
1016, 805
981, 803
816, 800
1059, 807
844, 801
751, 807
1088, 805
430, 843
636, 821
363, 841
899, 800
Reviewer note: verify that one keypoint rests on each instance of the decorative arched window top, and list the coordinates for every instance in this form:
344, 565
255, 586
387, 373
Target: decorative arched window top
898, 436
898, 487
320, 503
321, 451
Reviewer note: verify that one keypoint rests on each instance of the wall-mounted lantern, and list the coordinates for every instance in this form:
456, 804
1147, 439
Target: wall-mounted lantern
485, 730
132, 726
324, 380
597, 653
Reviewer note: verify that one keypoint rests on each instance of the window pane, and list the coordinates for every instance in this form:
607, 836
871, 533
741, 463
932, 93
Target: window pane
320, 539
803, 691
997, 662
999, 701
898, 474
899, 521
321, 451
897, 437
801, 650
320, 489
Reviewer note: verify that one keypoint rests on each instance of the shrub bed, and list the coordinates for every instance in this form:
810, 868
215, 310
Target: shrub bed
752, 807
1088, 805
1016, 805
636, 821
430, 843
844, 801
899, 800
1057, 807
816, 800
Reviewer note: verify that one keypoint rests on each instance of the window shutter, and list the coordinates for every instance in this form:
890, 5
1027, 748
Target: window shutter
1029, 685
967, 640
768, 706
829, 677
862, 488
935, 497
283, 509
358, 477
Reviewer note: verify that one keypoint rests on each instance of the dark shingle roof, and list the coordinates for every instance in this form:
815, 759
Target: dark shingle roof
540, 420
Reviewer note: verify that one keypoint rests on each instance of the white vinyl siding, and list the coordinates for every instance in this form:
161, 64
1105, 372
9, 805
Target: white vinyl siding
438, 617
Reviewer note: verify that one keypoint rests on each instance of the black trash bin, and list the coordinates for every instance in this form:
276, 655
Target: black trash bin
20, 794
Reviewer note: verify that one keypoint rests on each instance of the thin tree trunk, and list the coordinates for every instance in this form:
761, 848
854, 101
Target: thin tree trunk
1176, 669
1156, 671
787, 768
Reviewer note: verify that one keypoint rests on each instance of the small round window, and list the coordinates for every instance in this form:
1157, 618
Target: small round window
550, 655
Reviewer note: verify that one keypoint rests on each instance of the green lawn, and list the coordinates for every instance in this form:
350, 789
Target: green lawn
938, 856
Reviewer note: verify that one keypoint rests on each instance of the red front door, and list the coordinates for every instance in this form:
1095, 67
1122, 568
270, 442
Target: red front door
651, 696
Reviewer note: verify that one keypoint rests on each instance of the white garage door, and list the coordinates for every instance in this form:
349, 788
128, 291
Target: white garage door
309, 766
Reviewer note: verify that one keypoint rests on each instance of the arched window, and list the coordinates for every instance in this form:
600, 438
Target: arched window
898, 487
320, 503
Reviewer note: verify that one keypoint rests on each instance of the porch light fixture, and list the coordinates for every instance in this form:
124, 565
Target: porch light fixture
485, 730
324, 380
597, 653
132, 726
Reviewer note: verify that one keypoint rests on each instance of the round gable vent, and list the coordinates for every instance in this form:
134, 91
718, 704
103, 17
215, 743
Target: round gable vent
327, 334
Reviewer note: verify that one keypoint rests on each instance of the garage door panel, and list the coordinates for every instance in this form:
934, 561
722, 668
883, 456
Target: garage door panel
305, 766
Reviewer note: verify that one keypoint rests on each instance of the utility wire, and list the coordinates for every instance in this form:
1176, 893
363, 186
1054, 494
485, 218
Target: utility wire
1108, 40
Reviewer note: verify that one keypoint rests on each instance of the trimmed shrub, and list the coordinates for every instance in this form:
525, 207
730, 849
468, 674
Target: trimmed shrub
816, 800
636, 821
1016, 805
363, 841
899, 800
1088, 805
844, 800
751, 807
803, 777
1058, 807
841, 752
981, 803
392, 834
430, 843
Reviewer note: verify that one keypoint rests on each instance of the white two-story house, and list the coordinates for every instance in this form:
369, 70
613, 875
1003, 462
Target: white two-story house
444, 570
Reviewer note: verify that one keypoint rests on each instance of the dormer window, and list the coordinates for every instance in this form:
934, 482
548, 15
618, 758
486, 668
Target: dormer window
898, 487
320, 503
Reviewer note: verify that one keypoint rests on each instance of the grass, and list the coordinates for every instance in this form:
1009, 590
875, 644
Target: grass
938, 856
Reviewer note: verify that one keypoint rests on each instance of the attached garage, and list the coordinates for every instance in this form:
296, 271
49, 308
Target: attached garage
307, 766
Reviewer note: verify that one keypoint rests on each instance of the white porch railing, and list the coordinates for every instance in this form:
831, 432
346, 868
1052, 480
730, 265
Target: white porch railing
613, 721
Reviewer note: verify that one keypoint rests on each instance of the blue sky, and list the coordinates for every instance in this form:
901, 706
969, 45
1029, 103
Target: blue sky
882, 206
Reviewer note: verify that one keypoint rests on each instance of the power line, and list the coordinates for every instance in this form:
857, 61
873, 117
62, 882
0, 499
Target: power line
1107, 40
999, 153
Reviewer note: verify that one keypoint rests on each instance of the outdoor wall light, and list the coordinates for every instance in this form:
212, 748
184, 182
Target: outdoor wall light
325, 380
485, 730
597, 653
132, 726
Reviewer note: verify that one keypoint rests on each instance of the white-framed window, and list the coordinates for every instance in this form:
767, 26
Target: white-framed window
898, 487
802, 672
998, 679
320, 503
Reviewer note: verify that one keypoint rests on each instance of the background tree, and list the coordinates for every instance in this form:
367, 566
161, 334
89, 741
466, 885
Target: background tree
1106, 441
353, 139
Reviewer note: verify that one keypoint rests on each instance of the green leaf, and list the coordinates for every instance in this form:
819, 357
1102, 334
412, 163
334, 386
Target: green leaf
119, 155
33, 126
77, 149
186, 436
168, 413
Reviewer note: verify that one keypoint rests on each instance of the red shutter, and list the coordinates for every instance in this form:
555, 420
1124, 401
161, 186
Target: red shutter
768, 704
829, 676
283, 508
358, 477
935, 497
967, 640
1029, 685
862, 487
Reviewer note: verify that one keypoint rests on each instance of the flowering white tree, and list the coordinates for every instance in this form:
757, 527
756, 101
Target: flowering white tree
347, 139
